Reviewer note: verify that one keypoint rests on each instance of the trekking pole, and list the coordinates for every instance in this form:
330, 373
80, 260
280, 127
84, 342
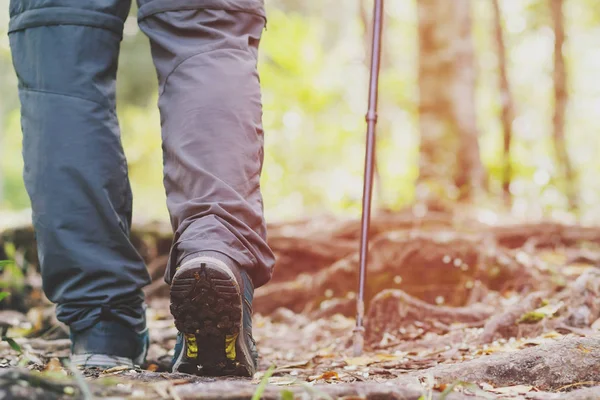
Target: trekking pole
359, 330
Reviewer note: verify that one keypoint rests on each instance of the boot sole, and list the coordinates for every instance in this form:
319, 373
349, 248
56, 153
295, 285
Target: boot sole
206, 303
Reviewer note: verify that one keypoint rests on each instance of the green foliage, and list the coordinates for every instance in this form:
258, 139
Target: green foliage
546, 310
4, 295
313, 65
11, 276
11, 251
531, 317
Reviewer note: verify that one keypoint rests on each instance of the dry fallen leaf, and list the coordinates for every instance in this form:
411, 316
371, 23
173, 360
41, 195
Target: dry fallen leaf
302, 363
282, 380
490, 350
366, 360
552, 335
152, 367
116, 369
553, 257
583, 349
550, 309
327, 376
54, 365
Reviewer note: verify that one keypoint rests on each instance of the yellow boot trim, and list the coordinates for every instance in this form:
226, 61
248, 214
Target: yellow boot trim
192, 346
230, 346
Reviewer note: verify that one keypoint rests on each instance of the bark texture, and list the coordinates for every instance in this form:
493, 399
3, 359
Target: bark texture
546, 367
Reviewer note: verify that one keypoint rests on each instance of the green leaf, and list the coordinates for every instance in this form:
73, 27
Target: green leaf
531, 317
4, 263
263, 383
4, 295
287, 395
10, 249
12, 276
13, 345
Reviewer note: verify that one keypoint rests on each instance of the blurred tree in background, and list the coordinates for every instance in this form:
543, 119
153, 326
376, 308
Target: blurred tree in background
447, 102
479, 99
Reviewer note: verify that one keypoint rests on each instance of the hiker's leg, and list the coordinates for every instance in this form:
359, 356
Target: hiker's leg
205, 52
65, 55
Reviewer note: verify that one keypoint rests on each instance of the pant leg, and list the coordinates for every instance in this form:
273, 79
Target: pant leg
65, 55
205, 53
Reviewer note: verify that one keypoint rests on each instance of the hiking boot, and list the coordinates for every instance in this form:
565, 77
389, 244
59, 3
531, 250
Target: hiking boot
108, 344
212, 305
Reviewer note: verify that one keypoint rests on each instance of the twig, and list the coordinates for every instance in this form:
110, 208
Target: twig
590, 383
173, 393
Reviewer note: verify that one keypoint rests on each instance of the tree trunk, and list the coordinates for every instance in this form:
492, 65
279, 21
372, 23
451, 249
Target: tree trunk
507, 101
560, 103
450, 164
470, 177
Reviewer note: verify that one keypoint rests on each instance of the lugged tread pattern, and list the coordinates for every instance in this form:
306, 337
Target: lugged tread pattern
207, 303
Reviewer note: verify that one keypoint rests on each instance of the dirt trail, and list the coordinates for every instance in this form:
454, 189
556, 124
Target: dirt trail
453, 305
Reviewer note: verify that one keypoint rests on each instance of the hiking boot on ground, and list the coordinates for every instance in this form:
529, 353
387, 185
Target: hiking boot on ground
211, 301
108, 344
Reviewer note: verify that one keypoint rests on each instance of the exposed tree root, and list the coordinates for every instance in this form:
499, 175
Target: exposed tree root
22, 384
431, 282
406, 220
505, 324
544, 234
546, 367
577, 306
393, 310
432, 266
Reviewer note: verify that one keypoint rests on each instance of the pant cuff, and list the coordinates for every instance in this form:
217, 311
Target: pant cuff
65, 16
208, 235
130, 312
160, 6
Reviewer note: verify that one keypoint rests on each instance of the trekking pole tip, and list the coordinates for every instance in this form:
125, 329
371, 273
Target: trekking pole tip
358, 341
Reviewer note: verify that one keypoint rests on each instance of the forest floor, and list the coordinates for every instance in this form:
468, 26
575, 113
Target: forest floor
457, 309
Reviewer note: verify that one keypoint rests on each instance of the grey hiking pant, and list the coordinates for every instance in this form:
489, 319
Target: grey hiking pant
205, 51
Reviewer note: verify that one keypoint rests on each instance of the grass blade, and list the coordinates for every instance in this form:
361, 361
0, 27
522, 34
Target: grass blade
263, 383
13, 345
